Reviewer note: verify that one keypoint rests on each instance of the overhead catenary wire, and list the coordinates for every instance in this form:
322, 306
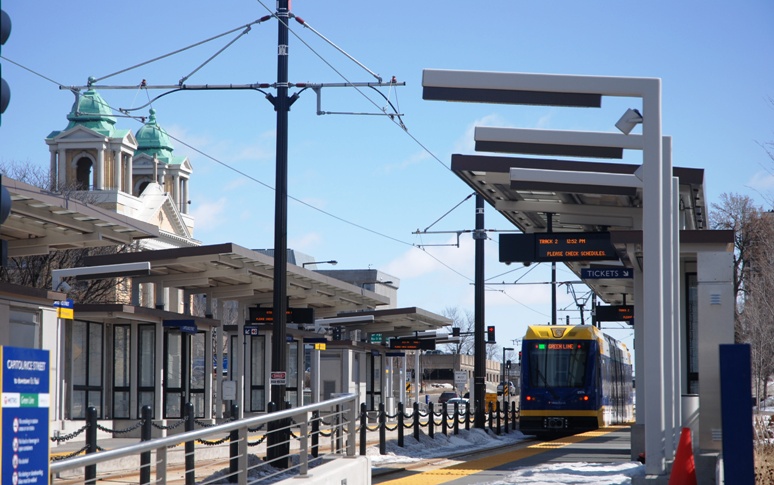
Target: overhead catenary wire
359, 226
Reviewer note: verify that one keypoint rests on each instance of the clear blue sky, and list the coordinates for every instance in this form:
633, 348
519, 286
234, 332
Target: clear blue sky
379, 182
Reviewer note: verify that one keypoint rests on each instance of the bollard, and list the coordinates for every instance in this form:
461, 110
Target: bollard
315, 433
505, 417
91, 442
382, 430
456, 418
513, 416
430, 421
363, 428
416, 421
145, 435
497, 412
468, 415
190, 462
400, 424
233, 445
444, 419
491, 417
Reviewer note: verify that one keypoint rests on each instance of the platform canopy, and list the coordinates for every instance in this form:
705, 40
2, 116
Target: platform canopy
229, 272
41, 221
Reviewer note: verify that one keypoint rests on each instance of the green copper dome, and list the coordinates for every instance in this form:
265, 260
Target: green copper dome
91, 111
153, 140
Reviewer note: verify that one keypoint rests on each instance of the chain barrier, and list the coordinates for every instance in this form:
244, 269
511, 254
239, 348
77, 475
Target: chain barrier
213, 443
169, 426
68, 437
69, 455
256, 442
257, 428
120, 431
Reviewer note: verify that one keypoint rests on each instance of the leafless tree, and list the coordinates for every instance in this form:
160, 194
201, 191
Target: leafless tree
753, 279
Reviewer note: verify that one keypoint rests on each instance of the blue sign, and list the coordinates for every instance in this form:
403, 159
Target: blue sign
186, 326
606, 273
251, 329
24, 415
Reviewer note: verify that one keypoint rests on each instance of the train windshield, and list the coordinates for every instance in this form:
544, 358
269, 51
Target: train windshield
557, 364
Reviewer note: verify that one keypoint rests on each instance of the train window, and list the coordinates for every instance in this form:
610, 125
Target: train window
558, 364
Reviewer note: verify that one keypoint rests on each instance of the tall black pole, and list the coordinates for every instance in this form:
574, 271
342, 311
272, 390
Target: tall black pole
479, 363
550, 228
281, 105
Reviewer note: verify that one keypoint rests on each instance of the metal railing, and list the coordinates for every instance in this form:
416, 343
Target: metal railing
336, 418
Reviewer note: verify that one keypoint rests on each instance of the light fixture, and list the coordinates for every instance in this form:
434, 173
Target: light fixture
629, 120
332, 262
63, 286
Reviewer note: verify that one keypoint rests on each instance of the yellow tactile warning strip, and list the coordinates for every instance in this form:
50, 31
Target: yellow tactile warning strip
454, 472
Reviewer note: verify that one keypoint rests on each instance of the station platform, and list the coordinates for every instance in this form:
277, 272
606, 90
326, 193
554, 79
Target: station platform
607, 445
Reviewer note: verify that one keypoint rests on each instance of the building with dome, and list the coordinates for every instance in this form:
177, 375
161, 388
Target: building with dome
136, 175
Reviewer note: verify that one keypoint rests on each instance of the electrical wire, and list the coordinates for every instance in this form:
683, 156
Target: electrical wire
244, 174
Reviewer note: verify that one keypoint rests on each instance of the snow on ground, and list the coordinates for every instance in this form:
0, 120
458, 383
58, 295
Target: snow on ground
472, 440
476, 439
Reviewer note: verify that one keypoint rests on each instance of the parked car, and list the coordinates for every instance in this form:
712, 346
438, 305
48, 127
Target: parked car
510, 390
461, 405
446, 395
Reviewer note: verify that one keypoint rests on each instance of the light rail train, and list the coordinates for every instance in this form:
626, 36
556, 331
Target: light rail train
573, 379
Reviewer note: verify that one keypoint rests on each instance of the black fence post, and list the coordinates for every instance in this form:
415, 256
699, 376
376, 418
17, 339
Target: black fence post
497, 412
91, 442
444, 419
146, 414
233, 445
456, 418
400, 424
506, 411
468, 415
416, 421
513, 416
491, 417
190, 462
430, 421
315, 433
363, 428
382, 430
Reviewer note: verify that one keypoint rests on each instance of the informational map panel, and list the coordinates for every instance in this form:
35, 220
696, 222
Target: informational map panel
24, 379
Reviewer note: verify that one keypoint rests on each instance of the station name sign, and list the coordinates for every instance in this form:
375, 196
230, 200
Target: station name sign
412, 344
294, 315
615, 313
556, 246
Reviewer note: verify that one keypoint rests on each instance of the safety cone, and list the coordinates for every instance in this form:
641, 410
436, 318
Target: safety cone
683, 469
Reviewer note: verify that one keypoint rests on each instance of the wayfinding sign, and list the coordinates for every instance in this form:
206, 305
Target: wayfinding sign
24, 415
606, 273
556, 246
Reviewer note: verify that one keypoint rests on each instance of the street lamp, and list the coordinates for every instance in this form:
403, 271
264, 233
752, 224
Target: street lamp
332, 262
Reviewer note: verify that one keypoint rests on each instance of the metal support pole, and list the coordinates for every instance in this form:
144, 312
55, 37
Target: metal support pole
279, 442
479, 362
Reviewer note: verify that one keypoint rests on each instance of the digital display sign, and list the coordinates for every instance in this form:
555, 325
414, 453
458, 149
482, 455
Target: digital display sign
615, 313
556, 246
412, 344
294, 315
558, 346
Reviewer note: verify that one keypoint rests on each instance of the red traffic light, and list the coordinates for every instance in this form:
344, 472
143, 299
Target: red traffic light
490, 333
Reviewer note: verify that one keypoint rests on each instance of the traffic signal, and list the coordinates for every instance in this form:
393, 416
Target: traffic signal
455, 331
490, 333
5, 32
